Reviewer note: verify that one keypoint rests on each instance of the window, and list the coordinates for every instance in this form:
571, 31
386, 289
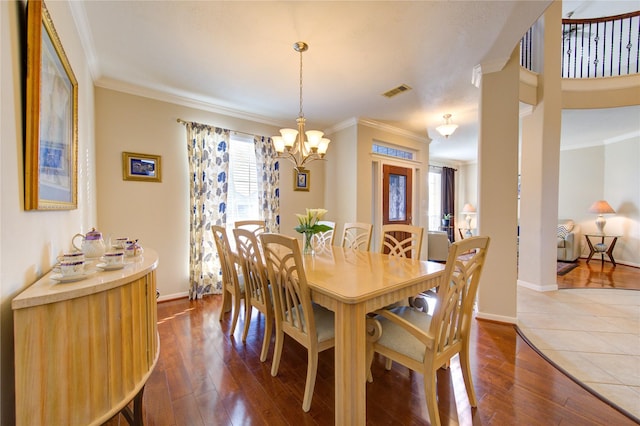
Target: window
435, 198
242, 196
391, 152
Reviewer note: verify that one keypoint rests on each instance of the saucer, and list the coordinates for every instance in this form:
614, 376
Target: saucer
106, 267
71, 278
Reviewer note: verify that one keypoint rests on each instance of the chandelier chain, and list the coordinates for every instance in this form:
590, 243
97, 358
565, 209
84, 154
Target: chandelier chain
301, 114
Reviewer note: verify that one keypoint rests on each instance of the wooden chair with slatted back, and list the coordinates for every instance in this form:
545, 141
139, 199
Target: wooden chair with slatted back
256, 284
357, 235
425, 343
307, 323
232, 284
324, 240
402, 240
255, 226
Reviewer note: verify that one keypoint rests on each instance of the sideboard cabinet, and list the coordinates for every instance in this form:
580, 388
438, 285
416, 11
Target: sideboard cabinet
84, 350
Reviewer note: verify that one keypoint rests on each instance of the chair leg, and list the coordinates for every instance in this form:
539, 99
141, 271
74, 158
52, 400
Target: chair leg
431, 396
268, 327
236, 314
277, 351
312, 369
388, 363
247, 321
465, 366
225, 302
369, 361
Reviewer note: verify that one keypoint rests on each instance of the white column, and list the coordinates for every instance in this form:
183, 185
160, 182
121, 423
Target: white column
498, 189
540, 159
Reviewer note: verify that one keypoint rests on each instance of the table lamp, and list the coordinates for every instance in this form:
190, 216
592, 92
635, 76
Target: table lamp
469, 210
601, 207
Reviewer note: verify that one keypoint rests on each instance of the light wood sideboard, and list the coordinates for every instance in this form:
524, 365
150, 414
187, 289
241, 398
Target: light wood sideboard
84, 350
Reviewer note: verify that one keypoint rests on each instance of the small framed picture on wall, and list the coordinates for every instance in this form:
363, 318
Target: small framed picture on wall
141, 167
301, 180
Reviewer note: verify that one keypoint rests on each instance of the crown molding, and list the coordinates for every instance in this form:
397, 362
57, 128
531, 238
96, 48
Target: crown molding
185, 101
487, 67
379, 126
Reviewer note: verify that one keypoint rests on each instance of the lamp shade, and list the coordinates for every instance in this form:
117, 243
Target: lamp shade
601, 207
468, 208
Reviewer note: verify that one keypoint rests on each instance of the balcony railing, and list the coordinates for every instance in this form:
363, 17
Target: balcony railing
601, 47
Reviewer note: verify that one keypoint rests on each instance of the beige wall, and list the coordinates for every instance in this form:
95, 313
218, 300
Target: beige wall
610, 172
31, 240
357, 176
158, 213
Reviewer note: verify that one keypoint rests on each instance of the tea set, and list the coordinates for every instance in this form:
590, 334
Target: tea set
72, 266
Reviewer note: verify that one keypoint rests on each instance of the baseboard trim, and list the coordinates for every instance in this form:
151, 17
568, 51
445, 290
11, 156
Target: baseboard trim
496, 318
173, 296
538, 287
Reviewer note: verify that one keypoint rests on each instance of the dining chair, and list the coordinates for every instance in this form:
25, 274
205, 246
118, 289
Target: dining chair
256, 284
324, 239
425, 343
401, 240
307, 323
357, 235
232, 284
256, 226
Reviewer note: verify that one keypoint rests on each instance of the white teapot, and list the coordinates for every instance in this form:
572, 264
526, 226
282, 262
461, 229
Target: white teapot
92, 243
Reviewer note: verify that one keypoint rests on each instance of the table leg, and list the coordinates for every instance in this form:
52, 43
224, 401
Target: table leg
134, 417
592, 250
610, 250
350, 365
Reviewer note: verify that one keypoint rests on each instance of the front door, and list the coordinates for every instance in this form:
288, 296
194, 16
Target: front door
396, 198
396, 195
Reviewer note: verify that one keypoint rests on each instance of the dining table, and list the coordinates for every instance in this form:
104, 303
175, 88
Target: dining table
352, 283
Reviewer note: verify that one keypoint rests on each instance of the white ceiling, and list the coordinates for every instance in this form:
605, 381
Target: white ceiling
236, 57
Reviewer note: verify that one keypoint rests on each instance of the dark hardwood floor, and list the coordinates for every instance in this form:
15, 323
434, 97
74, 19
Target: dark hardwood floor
206, 377
596, 274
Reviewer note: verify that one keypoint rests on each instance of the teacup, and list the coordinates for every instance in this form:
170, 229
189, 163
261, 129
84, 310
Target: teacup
76, 256
113, 258
120, 243
70, 269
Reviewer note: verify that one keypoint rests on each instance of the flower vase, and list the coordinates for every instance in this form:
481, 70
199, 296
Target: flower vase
307, 247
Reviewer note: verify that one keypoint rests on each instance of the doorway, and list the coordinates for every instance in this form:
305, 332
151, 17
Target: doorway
396, 198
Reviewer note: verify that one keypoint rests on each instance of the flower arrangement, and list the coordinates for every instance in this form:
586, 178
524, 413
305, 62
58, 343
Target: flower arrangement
308, 225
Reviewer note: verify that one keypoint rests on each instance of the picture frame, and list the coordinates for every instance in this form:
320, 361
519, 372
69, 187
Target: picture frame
51, 145
141, 167
301, 179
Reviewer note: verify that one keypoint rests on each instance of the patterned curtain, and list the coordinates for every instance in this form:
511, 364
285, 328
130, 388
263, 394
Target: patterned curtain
268, 172
208, 149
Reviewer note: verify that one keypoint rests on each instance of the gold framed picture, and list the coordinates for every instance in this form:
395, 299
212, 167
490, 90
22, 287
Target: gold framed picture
301, 179
51, 146
142, 167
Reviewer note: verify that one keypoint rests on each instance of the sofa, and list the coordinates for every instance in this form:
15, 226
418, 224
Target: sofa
569, 239
438, 246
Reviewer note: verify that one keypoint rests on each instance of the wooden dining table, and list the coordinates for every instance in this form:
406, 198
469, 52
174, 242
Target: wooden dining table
352, 283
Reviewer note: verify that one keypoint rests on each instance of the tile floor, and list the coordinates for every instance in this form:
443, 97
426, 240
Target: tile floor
592, 334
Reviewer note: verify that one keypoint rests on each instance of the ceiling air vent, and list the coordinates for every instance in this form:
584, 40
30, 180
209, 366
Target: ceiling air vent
396, 91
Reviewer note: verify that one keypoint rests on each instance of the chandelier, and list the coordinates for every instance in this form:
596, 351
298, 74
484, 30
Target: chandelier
447, 128
292, 144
